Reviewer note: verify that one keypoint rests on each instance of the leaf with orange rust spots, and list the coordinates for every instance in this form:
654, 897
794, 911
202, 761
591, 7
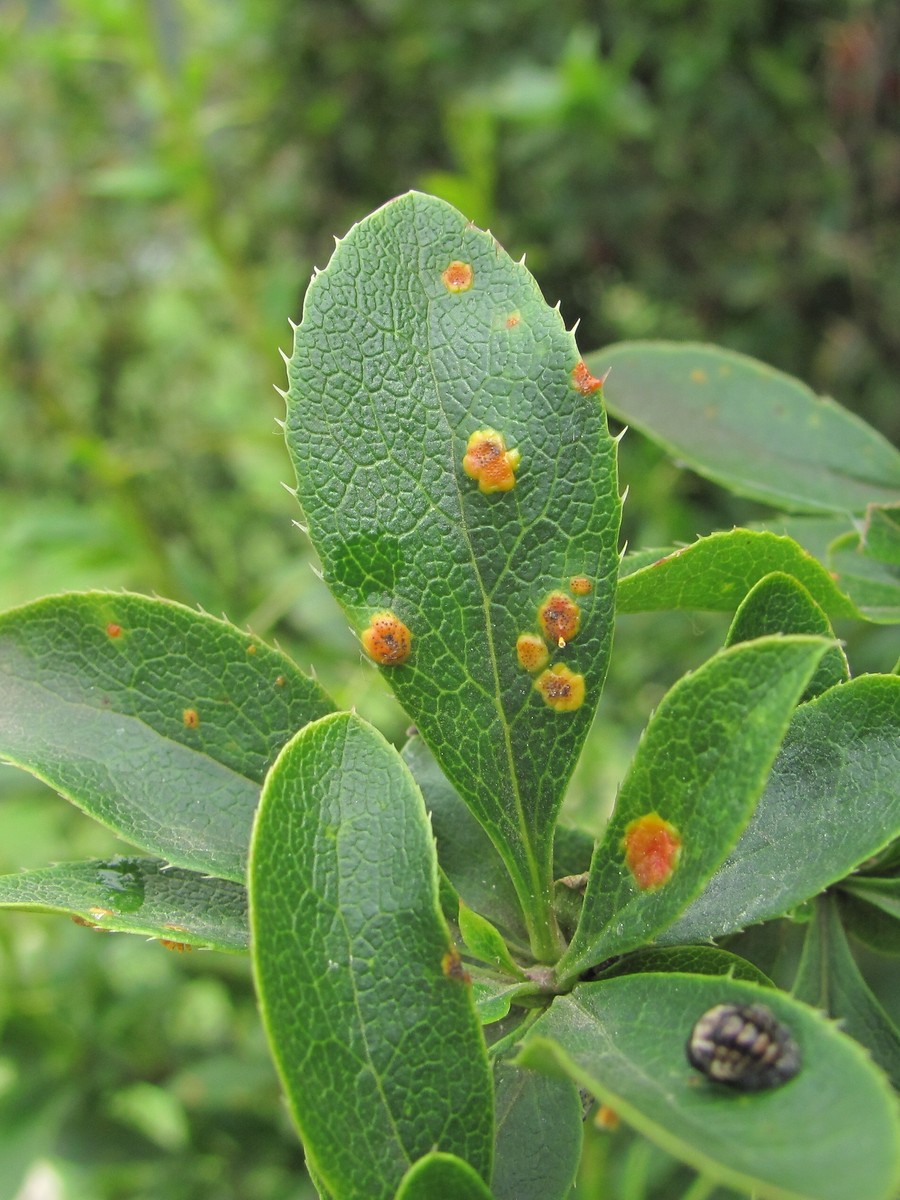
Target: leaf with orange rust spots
410, 379
700, 768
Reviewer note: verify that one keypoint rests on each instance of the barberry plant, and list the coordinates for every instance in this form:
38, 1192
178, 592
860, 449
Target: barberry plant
448, 976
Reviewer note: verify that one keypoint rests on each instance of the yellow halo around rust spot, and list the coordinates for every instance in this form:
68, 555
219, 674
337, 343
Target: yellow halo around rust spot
561, 689
489, 462
532, 652
387, 640
458, 276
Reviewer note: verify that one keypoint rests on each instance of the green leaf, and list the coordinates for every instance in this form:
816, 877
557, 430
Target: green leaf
393, 371
495, 996
369, 1017
744, 425
830, 1133
872, 585
443, 1176
869, 923
483, 941
158, 721
882, 893
881, 533
830, 803
829, 979
779, 604
686, 960
717, 572
699, 769
137, 895
539, 1135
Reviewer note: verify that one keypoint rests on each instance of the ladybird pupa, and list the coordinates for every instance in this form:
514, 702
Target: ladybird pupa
744, 1046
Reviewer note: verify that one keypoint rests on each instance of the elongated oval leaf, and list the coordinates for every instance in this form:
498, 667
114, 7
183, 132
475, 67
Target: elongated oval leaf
829, 979
440, 1176
423, 345
753, 429
137, 895
158, 721
831, 1133
693, 784
539, 1135
715, 573
779, 604
368, 1012
830, 803
687, 960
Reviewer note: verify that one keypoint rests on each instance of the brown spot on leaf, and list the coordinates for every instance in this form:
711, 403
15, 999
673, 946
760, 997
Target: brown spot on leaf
458, 276
178, 947
652, 849
513, 320
561, 688
191, 718
452, 966
560, 618
580, 585
387, 640
113, 630
251, 649
488, 460
280, 681
532, 652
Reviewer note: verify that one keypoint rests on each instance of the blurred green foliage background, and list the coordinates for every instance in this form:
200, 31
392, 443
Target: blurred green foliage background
172, 170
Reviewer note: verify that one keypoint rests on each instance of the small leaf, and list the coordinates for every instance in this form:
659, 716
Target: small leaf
699, 769
830, 1133
483, 941
137, 895
368, 1012
873, 586
686, 960
716, 572
158, 721
779, 604
830, 803
494, 996
748, 427
829, 979
439, 1176
881, 533
539, 1135
456, 472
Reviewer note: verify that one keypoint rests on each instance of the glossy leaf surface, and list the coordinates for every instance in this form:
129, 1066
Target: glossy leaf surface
830, 803
753, 429
158, 721
440, 1176
700, 767
369, 1015
137, 895
624, 1040
539, 1134
421, 335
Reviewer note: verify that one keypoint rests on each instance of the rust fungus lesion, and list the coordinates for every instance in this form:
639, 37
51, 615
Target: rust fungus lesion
532, 652
452, 966
561, 689
513, 320
488, 461
178, 947
560, 618
583, 381
113, 630
191, 718
580, 585
387, 640
458, 276
652, 849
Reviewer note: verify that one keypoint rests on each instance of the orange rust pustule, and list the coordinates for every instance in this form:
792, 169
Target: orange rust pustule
178, 947
580, 585
513, 320
606, 1118
561, 689
532, 652
560, 618
488, 460
387, 640
452, 966
113, 630
83, 921
652, 849
458, 276
583, 381
191, 718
